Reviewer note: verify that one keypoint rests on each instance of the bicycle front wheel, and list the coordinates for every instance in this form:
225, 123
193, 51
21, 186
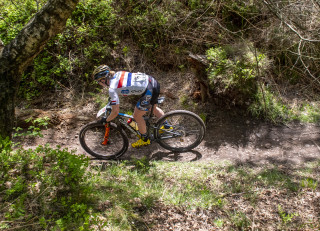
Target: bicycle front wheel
92, 135
180, 131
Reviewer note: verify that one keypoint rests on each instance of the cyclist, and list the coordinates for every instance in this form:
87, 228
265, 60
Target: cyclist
127, 83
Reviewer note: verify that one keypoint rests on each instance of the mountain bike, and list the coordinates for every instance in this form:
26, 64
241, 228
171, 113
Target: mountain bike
177, 131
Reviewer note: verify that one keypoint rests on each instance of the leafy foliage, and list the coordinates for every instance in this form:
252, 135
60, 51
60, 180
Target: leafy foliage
268, 104
239, 37
35, 129
234, 72
54, 189
107, 32
14, 15
44, 187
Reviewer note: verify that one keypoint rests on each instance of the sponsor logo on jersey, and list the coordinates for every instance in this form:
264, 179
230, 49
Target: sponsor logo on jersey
136, 91
139, 78
125, 92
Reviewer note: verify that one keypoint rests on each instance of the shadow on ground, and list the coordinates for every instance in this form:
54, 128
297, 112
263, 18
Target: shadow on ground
229, 137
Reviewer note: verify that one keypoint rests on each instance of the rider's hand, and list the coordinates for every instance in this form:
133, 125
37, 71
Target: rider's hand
103, 120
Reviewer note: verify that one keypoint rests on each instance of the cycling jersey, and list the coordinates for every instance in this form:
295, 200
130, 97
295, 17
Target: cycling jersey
127, 83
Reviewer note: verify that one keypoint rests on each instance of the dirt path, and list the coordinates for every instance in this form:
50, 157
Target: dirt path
229, 137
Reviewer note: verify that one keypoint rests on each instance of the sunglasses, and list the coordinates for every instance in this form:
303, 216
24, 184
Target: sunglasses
101, 80
102, 76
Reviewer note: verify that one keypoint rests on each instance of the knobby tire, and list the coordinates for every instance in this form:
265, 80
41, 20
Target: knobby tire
92, 135
186, 131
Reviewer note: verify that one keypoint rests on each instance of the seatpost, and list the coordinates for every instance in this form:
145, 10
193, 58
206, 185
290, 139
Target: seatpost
151, 111
149, 114
147, 118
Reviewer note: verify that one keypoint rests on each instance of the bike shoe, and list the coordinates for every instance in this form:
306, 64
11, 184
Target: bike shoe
165, 128
140, 143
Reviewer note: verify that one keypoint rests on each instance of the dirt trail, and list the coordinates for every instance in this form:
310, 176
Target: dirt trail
229, 137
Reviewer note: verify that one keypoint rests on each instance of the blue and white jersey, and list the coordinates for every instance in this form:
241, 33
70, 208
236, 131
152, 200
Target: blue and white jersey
127, 83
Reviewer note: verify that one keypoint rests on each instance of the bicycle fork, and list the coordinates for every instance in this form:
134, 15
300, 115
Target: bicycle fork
106, 134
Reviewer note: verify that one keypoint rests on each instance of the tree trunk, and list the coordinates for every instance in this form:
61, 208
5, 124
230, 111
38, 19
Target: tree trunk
20, 52
199, 64
7, 97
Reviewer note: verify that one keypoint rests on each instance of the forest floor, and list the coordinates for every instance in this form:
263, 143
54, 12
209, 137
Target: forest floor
239, 140
231, 137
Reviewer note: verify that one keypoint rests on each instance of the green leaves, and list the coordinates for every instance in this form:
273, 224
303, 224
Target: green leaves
234, 70
14, 15
51, 186
35, 129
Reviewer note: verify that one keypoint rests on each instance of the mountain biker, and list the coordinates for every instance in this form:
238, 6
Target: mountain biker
127, 83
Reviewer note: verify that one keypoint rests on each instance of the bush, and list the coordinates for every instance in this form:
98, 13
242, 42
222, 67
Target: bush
233, 72
43, 188
14, 15
270, 107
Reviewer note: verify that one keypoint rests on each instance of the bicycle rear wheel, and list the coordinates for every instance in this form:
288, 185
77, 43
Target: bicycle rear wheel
180, 130
92, 135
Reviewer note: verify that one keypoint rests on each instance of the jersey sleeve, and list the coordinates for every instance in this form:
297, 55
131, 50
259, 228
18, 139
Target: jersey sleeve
114, 96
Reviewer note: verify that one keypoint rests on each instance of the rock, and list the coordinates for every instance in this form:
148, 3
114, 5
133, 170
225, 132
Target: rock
267, 145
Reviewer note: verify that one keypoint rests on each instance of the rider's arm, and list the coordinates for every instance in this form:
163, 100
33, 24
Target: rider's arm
114, 104
114, 112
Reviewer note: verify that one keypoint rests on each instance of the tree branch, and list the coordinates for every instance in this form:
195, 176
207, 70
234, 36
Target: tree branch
46, 23
305, 66
275, 10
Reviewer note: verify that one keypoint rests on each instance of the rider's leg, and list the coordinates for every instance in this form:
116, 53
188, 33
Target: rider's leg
138, 117
157, 111
144, 140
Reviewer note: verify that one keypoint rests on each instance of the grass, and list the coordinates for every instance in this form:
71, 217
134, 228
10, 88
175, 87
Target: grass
276, 109
142, 195
54, 189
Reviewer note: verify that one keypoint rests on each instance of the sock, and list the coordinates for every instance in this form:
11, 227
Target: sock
144, 137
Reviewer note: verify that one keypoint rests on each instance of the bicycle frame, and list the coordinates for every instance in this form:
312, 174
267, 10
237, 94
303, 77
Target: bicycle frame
149, 126
107, 110
125, 123
185, 128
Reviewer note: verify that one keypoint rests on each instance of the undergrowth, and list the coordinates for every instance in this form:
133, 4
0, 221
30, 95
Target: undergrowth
240, 38
273, 107
131, 191
53, 189
43, 188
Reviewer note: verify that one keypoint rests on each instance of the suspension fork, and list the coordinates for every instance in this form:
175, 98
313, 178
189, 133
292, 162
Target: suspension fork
106, 134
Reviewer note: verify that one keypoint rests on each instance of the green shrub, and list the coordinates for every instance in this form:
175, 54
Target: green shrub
14, 15
34, 130
70, 56
233, 72
269, 105
44, 187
